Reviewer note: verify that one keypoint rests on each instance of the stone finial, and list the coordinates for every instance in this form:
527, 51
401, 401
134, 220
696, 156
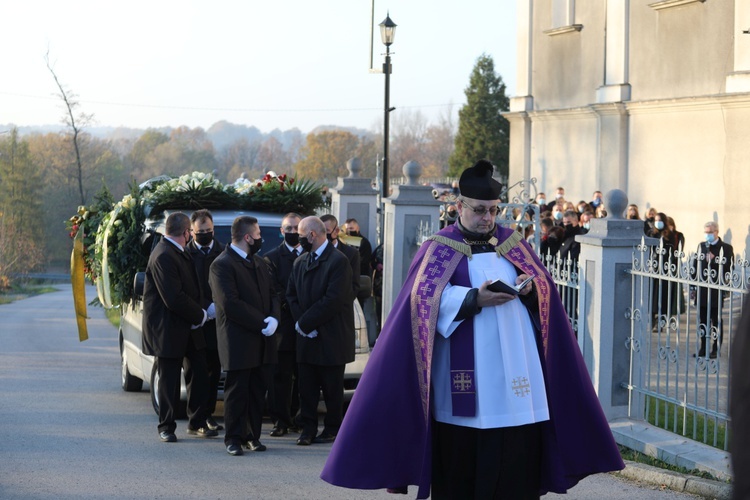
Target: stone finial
354, 166
412, 170
616, 201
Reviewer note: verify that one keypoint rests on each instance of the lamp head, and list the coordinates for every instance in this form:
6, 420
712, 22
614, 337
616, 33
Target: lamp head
387, 31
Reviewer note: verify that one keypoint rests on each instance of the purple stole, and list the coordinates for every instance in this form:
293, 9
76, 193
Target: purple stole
444, 262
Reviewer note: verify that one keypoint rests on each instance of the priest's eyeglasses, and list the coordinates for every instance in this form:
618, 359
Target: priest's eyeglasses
482, 211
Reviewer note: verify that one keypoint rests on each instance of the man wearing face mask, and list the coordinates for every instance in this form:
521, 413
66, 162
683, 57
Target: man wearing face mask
247, 313
365, 247
559, 198
320, 299
332, 234
284, 396
204, 249
541, 200
596, 199
708, 265
570, 248
585, 221
172, 317
557, 214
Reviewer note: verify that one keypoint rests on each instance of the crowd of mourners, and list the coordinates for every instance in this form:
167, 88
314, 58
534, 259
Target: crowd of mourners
562, 220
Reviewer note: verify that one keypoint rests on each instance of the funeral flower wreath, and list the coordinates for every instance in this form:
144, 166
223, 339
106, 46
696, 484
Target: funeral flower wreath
109, 250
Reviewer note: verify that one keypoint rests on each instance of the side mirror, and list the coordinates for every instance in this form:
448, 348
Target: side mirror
138, 282
365, 286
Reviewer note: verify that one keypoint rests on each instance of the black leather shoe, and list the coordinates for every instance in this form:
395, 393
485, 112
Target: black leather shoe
167, 437
712, 355
255, 445
234, 449
213, 424
325, 437
304, 440
202, 432
701, 354
279, 431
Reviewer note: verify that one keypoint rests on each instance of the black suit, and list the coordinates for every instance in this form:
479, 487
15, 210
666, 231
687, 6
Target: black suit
711, 302
243, 297
352, 254
284, 399
202, 263
171, 305
570, 248
319, 296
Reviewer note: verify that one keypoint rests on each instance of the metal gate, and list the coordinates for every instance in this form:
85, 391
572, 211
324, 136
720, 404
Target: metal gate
681, 302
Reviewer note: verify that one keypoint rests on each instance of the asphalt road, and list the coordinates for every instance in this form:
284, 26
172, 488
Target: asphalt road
68, 431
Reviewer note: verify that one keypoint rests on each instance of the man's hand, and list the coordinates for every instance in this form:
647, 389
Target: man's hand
310, 335
528, 288
488, 298
271, 325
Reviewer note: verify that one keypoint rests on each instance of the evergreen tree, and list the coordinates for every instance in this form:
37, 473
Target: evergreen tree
482, 132
21, 231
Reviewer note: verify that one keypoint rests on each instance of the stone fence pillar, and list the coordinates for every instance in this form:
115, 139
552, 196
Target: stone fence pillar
410, 211
605, 295
354, 197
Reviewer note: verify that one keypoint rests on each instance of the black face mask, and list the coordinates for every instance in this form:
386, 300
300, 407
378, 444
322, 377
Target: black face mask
353, 233
291, 239
256, 246
305, 244
329, 237
204, 239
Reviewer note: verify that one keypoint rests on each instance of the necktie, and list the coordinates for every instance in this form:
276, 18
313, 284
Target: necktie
205, 250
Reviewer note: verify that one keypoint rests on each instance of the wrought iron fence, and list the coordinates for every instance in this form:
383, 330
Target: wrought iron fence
683, 311
567, 275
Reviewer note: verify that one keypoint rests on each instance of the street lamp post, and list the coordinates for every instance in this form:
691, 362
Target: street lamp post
387, 34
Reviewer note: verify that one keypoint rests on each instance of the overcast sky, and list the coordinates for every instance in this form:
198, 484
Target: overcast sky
264, 63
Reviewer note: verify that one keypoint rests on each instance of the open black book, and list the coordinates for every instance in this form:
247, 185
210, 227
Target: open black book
501, 286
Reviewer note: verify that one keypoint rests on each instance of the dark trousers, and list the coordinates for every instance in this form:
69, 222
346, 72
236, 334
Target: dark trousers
244, 393
168, 390
705, 327
503, 463
312, 380
214, 375
285, 400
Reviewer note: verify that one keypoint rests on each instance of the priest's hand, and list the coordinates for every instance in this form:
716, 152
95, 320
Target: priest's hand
529, 286
488, 298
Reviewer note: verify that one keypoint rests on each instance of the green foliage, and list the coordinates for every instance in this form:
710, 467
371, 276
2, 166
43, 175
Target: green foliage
126, 251
671, 417
641, 458
21, 230
280, 194
194, 191
482, 132
89, 218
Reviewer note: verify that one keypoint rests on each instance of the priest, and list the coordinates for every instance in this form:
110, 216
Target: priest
470, 392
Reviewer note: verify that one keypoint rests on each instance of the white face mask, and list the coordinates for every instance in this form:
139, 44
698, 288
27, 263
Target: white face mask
710, 238
659, 225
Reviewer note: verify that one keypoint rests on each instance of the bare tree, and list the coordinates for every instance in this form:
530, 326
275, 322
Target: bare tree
74, 122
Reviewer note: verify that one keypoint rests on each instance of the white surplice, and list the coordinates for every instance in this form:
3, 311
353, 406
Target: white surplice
508, 371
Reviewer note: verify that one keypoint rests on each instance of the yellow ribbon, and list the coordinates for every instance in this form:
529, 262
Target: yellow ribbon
78, 280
